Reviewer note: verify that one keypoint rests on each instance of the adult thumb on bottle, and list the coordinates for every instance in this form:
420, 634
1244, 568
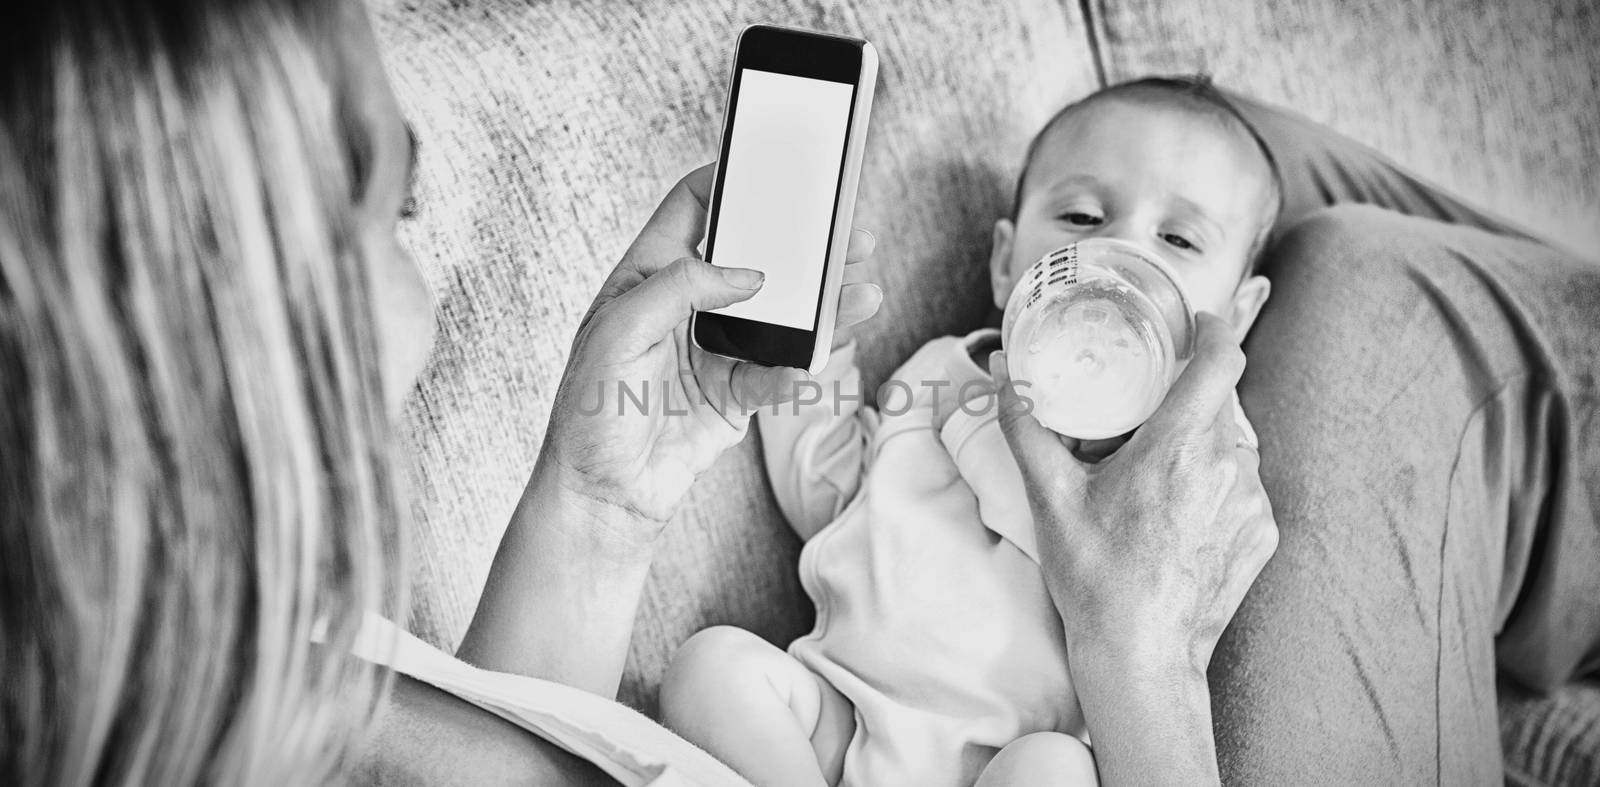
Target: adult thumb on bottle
1040, 452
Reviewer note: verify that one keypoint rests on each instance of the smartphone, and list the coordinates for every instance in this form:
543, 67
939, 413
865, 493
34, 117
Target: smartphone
793, 131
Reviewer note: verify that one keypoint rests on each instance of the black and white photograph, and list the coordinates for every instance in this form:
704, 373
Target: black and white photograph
800, 393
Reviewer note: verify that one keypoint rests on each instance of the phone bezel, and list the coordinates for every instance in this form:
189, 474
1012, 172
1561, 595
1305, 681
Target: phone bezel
804, 54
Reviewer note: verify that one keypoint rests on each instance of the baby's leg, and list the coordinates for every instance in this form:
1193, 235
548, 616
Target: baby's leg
757, 709
1048, 759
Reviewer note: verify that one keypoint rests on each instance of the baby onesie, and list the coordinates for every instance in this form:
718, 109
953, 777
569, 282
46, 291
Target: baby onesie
932, 614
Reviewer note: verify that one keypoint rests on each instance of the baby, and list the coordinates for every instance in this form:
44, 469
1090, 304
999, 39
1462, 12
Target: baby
938, 657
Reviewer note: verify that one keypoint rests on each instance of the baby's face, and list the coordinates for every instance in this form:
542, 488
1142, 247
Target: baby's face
1180, 186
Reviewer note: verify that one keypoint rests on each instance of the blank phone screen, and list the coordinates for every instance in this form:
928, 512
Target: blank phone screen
779, 183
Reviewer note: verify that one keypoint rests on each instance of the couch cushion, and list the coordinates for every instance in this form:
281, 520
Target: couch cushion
1496, 101
549, 131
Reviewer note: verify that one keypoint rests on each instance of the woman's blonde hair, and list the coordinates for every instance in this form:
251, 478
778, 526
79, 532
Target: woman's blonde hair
194, 466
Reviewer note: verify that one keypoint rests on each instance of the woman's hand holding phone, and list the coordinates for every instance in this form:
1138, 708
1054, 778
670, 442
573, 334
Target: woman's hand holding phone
642, 410
640, 413
641, 455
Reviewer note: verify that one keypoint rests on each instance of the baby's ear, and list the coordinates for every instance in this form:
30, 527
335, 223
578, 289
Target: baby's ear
1000, 262
1247, 302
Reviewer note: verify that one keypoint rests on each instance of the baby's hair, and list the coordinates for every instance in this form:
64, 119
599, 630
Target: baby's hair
1193, 92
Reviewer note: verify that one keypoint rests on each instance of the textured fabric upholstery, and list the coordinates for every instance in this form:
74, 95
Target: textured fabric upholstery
550, 129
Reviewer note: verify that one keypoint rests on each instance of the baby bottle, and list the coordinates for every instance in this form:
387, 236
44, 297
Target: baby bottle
1095, 333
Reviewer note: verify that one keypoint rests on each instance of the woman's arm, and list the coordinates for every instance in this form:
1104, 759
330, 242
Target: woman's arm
564, 588
1148, 554
565, 584
1148, 713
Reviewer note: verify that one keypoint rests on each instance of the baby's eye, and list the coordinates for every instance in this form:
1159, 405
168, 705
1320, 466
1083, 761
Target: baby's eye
1081, 219
408, 208
1178, 241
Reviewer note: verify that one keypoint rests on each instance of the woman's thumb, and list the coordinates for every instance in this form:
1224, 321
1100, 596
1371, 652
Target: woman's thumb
1038, 450
667, 297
